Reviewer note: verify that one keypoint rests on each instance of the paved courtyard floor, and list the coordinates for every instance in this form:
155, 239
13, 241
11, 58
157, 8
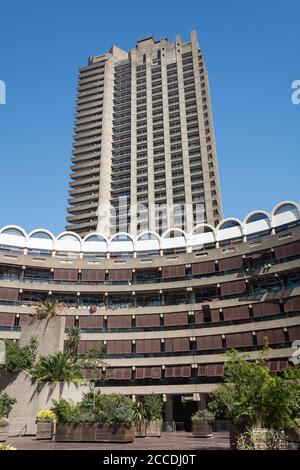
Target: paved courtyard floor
167, 441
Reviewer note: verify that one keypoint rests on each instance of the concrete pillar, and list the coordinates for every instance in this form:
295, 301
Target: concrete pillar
202, 404
168, 414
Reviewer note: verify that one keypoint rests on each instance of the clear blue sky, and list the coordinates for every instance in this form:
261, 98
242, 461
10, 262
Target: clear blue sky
252, 53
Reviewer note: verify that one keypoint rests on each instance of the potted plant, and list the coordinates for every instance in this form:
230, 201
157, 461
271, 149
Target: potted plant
203, 423
6, 405
153, 405
139, 419
45, 424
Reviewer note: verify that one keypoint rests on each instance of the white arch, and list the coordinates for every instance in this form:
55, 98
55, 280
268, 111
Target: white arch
41, 230
11, 239
94, 246
166, 233
146, 232
14, 227
68, 241
202, 225
257, 226
175, 242
95, 234
151, 245
199, 240
116, 246
36, 243
251, 214
231, 232
286, 217
286, 203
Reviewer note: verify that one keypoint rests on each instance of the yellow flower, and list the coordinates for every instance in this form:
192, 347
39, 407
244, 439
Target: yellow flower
46, 415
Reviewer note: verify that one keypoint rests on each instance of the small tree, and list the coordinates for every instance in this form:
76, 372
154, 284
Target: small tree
73, 340
19, 358
254, 395
47, 309
55, 368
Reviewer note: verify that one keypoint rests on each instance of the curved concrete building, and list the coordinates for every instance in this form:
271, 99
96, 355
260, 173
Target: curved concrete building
168, 307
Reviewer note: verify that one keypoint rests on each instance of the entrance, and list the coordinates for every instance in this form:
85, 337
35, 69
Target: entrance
183, 411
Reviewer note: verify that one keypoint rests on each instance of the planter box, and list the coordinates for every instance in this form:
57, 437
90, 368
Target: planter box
93, 432
4, 433
153, 429
44, 430
202, 429
140, 429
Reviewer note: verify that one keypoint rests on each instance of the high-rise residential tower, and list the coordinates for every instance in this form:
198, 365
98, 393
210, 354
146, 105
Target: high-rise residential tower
144, 150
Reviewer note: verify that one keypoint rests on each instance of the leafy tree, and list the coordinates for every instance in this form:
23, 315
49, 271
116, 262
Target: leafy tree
19, 358
254, 395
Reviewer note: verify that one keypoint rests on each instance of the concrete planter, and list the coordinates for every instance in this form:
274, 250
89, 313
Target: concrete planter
4, 433
93, 432
140, 429
153, 429
45, 430
202, 428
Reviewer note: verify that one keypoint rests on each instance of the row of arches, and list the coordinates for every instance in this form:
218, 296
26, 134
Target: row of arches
230, 228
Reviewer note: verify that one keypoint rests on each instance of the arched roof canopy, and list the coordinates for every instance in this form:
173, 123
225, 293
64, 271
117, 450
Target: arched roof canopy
256, 221
173, 238
14, 230
94, 242
229, 228
285, 212
148, 241
202, 234
68, 241
121, 242
13, 235
41, 239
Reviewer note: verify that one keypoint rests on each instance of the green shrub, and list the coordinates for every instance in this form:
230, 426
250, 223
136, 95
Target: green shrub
6, 404
153, 405
19, 358
122, 414
66, 411
3, 422
139, 411
107, 406
203, 415
110, 409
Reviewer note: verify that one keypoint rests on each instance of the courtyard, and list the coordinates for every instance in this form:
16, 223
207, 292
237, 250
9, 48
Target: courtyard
167, 441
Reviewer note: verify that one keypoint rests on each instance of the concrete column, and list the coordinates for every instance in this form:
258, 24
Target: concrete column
202, 404
168, 414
